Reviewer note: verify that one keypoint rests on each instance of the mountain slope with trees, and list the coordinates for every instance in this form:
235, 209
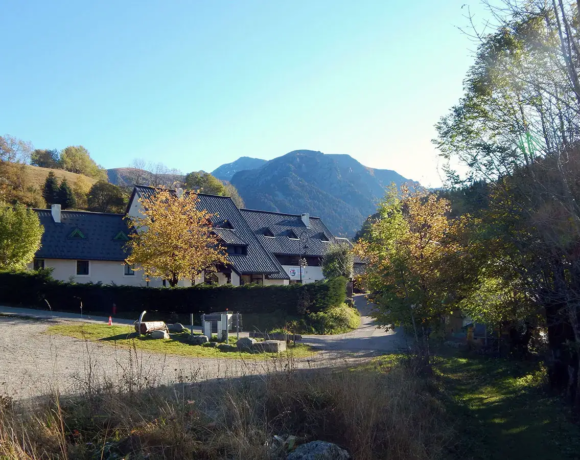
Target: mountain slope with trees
335, 187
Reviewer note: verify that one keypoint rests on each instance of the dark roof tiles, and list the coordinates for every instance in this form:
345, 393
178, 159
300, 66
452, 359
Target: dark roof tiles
283, 225
257, 260
96, 240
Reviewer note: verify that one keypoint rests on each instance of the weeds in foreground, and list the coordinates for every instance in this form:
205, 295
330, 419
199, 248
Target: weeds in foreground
373, 413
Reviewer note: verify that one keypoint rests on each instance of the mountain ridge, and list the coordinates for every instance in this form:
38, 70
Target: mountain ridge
335, 187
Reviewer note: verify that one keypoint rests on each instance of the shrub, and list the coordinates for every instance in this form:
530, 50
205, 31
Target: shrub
334, 320
33, 288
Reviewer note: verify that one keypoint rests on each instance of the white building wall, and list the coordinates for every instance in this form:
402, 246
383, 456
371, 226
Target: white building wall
106, 272
309, 274
268, 282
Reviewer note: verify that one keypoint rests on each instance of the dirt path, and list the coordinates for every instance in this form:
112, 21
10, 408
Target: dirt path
368, 338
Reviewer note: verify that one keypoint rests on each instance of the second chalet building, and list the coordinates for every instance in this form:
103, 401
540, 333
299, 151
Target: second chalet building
263, 247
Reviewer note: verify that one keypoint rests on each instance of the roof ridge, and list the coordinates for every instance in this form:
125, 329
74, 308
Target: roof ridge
187, 190
277, 213
80, 211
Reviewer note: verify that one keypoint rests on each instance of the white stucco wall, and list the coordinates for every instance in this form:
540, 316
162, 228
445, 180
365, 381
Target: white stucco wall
106, 272
309, 274
268, 282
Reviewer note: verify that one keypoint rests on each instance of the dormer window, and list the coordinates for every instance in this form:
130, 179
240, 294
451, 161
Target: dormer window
324, 238
121, 236
292, 235
76, 234
225, 224
268, 233
237, 249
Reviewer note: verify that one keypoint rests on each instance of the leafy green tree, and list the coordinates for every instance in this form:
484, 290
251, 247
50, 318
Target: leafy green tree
77, 159
338, 261
105, 197
20, 234
14, 150
66, 197
45, 158
517, 128
202, 182
50, 190
233, 193
413, 256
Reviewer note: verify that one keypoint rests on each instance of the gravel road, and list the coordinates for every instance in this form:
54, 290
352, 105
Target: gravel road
33, 363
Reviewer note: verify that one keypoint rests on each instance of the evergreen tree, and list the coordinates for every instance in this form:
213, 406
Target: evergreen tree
66, 197
50, 191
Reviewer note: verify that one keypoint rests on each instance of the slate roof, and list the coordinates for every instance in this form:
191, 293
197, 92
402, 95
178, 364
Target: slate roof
280, 225
99, 231
257, 260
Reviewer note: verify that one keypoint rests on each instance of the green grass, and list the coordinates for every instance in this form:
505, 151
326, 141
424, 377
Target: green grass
125, 336
503, 411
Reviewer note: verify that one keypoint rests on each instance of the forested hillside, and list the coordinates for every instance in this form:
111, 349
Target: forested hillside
336, 188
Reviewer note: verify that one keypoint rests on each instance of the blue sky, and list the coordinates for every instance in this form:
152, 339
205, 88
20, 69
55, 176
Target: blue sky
195, 84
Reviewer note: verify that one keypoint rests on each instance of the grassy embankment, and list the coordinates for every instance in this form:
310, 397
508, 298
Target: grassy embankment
125, 336
392, 414
504, 411
36, 176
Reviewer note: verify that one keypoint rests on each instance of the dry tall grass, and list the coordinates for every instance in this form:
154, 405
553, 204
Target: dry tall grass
372, 413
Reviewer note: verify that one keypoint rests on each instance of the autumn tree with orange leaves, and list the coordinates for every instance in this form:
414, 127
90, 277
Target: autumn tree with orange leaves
174, 239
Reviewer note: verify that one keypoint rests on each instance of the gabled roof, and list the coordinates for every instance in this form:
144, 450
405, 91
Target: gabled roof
282, 225
98, 230
257, 260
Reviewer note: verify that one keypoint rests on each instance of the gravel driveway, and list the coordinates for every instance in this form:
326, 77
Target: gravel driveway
33, 363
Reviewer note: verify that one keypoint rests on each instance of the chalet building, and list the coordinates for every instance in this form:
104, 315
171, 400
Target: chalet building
263, 247
290, 238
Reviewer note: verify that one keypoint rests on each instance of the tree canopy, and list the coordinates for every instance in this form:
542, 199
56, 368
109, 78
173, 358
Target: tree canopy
20, 234
105, 197
174, 239
338, 261
45, 158
202, 182
77, 159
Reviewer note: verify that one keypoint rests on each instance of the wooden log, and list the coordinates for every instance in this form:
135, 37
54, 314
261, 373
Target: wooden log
150, 326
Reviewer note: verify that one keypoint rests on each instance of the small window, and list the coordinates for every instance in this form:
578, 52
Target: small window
38, 264
82, 267
129, 269
77, 234
236, 249
292, 235
268, 233
324, 238
121, 236
225, 224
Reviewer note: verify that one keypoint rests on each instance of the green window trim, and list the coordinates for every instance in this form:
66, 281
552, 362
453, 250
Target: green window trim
121, 236
76, 233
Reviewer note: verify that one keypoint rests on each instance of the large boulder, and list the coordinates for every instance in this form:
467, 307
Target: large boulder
319, 450
270, 346
226, 347
159, 335
176, 327
197, 339
245, 343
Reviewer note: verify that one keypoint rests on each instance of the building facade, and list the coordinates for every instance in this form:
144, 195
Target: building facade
263, 247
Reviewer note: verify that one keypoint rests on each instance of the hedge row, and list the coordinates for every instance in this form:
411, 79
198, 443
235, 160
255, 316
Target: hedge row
33, 289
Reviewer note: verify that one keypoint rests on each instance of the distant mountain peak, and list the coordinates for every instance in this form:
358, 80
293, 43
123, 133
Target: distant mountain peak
336, 187
227, 171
